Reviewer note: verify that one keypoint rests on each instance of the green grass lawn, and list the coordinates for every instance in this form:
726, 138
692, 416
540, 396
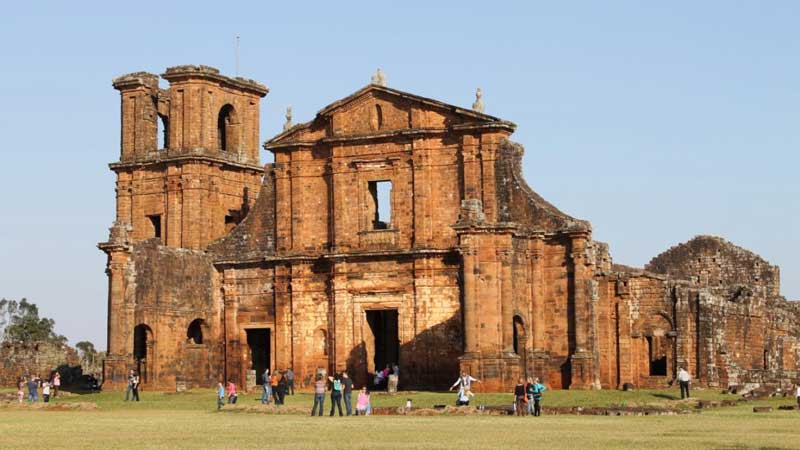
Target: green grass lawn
190, 421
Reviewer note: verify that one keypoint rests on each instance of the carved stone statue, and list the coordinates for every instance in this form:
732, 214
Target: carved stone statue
379, 78
288, 123
478, 105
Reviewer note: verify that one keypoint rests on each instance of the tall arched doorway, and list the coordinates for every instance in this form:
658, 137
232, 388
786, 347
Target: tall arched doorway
143, 352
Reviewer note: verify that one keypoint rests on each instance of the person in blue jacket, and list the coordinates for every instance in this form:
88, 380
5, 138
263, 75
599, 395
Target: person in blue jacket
536, 392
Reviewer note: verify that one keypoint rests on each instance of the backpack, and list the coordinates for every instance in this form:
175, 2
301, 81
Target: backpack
337, 385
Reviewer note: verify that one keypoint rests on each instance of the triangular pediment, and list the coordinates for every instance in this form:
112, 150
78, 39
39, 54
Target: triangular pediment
376, 109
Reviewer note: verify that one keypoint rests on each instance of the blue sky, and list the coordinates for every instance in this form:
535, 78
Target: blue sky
656, 121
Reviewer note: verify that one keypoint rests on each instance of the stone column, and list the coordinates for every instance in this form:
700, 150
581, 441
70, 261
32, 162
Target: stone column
582, 366
506, 300
470, 256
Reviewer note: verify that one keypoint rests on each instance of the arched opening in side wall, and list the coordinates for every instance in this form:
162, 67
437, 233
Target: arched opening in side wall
143, 351
195, 331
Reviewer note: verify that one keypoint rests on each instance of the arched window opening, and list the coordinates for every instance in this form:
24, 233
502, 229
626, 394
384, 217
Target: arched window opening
163, 132
194, 333
379, 116
224, 128
519, 335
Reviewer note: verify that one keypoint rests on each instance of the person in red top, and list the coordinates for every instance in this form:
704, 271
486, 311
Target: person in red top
232, 396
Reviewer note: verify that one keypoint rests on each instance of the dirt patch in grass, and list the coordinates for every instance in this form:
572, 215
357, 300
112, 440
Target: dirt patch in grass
61, 406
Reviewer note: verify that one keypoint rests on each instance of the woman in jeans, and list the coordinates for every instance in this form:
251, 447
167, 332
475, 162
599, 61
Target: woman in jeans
319, 395
336, 393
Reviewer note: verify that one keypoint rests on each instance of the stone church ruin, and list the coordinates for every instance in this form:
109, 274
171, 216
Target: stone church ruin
393, 228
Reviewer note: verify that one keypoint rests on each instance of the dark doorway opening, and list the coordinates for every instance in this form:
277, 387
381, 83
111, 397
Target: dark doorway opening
385, 340
155, 221
657, 355
258, 339
142, 345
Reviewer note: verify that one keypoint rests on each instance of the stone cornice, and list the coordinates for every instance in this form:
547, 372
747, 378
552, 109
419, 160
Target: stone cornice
277, 259
404, 132
178, 157
179, 73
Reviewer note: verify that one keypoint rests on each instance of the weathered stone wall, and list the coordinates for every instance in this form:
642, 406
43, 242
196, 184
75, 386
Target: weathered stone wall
480, 272
18, 359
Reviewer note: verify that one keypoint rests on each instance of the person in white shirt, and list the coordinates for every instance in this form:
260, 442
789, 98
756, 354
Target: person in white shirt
683, 380
798, 396
464, 381
46, 391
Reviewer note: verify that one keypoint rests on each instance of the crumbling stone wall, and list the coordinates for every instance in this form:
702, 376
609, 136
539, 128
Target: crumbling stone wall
20, 359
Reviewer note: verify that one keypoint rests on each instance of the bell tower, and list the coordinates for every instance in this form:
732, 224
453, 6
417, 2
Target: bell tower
201, 180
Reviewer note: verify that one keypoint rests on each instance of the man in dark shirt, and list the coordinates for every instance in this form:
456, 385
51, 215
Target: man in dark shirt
290, 380
347, 384
33, 389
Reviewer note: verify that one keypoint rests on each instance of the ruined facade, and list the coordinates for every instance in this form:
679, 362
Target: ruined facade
395, 228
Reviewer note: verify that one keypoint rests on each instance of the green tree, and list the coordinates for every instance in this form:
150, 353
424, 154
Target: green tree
88, 352
20, 321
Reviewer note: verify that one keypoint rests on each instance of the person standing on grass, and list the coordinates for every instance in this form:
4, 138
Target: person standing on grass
336, 394
464, 381
319, 395
529, 389
232, 396
283, 386
797, 394
273, 383
46, 392
20, 390
33, 389
347, 391
363, 406
290, 380
683, 379
538, 388
220, 395
520, 397
129, 390
56, 384
265, 387
136, 382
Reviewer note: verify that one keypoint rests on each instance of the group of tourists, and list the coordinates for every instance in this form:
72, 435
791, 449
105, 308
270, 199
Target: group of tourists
527, 397
33, 383
380, 379
341, 387
276, 385
134, 382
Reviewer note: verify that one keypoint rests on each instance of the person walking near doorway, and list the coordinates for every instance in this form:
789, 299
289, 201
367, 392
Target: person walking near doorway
266, 388
129, 390
220, 395
290, 380
683, 379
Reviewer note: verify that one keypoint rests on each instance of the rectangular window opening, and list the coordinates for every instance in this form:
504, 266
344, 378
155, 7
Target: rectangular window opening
155, 220
381, 192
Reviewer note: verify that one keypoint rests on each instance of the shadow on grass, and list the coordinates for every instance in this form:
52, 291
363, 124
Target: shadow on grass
665, 396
